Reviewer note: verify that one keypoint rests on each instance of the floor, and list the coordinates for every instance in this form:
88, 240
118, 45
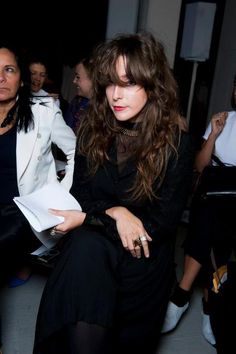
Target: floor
19, 308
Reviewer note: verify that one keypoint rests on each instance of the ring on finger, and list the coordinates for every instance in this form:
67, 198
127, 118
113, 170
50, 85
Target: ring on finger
53, 232
137, 242
142, 238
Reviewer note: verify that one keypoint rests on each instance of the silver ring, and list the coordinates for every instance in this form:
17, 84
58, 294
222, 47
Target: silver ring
143, 238
53, 232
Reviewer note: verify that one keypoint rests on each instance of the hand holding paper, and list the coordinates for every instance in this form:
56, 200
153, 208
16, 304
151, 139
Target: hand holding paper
35, 206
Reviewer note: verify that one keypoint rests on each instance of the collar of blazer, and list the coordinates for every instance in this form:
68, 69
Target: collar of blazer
26, 141
25, 144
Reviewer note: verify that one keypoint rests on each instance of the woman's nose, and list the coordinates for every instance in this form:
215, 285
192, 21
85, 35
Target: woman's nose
2, 76
117, 92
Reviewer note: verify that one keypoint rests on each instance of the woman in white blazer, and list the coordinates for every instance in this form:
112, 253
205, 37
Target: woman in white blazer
28, 127
34, 158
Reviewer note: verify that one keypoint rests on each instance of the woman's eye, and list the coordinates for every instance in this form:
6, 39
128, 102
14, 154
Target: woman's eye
10, 70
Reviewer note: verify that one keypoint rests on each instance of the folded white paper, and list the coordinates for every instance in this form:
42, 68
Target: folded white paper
35, 206
39, 250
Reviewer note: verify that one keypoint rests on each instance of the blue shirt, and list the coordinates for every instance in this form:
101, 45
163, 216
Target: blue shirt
76, 111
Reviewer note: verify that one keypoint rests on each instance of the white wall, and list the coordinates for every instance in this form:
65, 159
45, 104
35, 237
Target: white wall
163, 22
161, 17
122, 17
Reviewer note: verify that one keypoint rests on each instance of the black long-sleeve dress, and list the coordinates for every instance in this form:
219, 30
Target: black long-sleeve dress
96, 280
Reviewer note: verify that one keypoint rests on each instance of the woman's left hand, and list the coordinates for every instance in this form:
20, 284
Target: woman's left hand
131, 231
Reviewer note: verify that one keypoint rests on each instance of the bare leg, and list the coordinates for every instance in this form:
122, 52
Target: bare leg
191, 270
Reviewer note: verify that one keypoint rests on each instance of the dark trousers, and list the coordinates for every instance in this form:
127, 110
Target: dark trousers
212, 225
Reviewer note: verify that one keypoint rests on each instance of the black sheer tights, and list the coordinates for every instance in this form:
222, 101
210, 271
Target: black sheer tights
85, 338
81, 338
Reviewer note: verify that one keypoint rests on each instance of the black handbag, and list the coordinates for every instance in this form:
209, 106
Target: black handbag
217, 181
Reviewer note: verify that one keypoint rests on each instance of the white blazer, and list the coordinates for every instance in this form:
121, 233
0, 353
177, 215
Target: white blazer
34, 159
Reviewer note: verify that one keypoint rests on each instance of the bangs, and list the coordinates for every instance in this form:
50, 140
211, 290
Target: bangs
138, 71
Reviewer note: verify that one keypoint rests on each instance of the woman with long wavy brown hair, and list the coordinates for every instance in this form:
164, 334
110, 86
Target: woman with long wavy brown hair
109, 291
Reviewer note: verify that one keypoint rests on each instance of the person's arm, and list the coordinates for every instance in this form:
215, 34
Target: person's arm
118, 222
65, 139
93, 211
203, 157
157, 219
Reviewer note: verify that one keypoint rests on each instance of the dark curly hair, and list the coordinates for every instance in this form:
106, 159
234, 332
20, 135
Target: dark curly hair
147, 66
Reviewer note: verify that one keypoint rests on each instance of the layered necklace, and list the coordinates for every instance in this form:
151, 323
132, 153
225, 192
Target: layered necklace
128, 132
129, 128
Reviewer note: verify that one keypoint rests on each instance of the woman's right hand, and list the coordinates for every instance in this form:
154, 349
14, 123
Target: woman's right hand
218, 122
73, 219
203, 157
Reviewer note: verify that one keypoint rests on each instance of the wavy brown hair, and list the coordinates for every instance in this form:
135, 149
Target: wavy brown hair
146, 66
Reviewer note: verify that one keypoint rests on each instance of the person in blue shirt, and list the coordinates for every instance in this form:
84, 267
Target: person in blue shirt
79, 104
